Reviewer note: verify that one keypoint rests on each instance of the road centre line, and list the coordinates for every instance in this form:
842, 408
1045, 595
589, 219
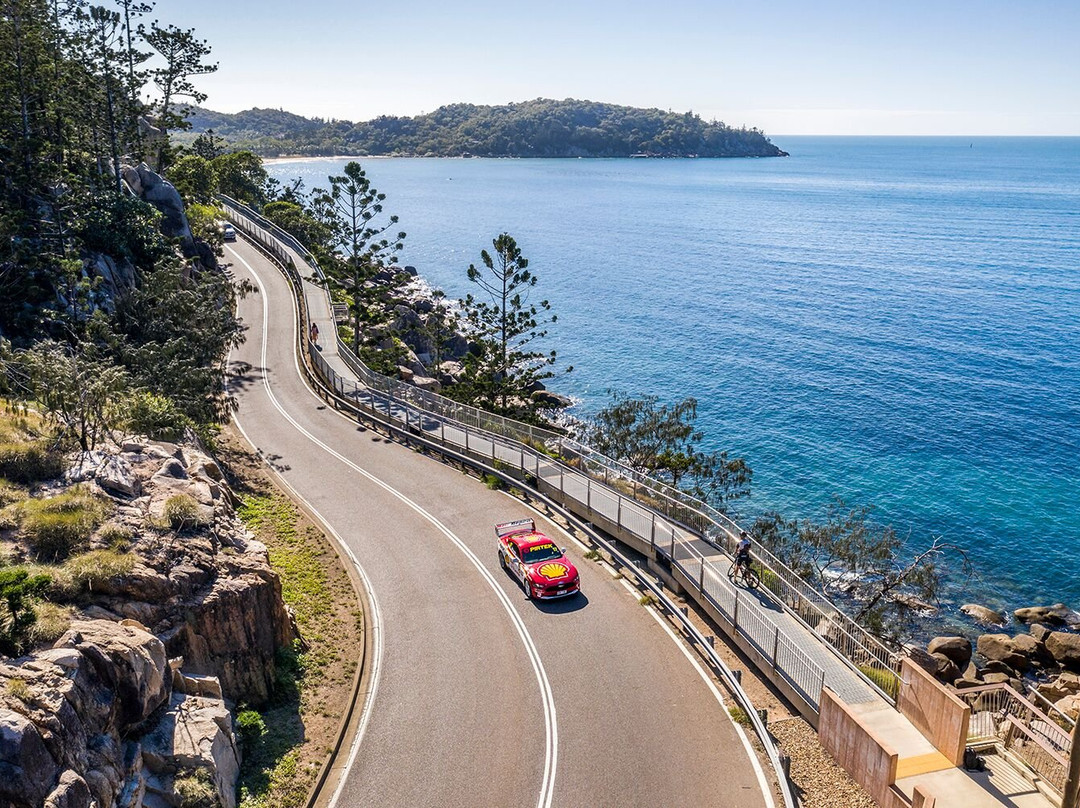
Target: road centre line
547, 697
635, 593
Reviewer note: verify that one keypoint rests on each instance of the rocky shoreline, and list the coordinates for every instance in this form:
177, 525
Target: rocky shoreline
133, 704
1045, 658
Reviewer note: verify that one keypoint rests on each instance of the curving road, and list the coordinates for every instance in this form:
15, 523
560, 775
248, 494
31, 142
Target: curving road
479, 697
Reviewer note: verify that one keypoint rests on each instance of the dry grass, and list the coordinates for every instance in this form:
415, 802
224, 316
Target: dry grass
55, 527
91, 571
27, 449
52, 621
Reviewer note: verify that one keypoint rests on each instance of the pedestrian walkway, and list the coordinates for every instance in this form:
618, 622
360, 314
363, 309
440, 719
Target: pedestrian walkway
780, 637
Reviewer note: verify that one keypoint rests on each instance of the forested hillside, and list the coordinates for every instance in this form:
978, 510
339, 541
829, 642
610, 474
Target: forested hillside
539, 128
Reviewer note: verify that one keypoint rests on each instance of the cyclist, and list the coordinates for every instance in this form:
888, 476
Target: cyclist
742, 552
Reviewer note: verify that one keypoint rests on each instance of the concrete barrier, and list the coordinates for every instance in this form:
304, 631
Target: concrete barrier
867, 758
934, 710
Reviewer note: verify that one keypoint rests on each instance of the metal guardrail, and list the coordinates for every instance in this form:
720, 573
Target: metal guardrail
863, 653
392, 412
1003, 717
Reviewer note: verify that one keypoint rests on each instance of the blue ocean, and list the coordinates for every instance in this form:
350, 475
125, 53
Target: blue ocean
892, 321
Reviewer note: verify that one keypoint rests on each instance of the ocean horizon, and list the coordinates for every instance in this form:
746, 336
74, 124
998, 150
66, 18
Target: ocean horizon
890, 320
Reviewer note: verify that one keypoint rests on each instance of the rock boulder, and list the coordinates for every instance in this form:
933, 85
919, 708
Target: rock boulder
1064, 648
195, 732
983, 614
27, 770
130, 659
999, 648
958, 649
1057, 615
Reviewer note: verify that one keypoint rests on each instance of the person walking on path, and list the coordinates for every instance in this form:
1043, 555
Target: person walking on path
315, 333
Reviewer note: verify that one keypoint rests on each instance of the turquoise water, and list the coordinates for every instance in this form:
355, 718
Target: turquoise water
891, 320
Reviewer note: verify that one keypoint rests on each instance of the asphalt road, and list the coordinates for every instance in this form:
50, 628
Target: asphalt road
480, 697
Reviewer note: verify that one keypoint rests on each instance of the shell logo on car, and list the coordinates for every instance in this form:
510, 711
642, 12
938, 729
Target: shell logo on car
553, 571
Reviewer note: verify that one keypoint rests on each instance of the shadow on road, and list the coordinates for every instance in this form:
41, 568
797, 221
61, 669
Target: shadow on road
575, 603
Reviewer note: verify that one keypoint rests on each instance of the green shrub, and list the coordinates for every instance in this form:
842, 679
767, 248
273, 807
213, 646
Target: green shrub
29, 462
251, 727
18, 593
888, 681
738, 715
92, 571
156, 417
182, 512
492, 482
57, 526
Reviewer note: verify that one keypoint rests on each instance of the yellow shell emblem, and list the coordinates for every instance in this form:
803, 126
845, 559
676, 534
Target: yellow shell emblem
552, 571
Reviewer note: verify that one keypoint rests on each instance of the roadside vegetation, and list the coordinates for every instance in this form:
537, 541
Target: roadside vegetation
286, 742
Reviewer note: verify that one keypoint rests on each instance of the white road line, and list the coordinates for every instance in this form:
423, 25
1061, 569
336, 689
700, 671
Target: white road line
634, 592
547, 698
373, 621
763, 783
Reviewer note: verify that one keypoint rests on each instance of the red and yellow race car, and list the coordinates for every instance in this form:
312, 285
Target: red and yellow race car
535, 560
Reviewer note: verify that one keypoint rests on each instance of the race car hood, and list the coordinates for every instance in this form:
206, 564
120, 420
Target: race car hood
549, 573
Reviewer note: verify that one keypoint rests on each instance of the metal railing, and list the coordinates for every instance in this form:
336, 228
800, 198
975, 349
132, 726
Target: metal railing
419, 421
863, 653
1001, 716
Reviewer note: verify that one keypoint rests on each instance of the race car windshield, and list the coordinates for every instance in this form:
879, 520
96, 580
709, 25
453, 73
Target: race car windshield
541, 552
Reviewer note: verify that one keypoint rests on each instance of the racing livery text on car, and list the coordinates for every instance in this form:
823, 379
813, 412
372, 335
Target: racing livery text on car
535, 560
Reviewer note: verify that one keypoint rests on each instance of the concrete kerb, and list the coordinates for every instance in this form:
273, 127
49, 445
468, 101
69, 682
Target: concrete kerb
320, 388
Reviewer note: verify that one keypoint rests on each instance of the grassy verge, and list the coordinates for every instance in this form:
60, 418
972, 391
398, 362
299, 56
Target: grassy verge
315, 679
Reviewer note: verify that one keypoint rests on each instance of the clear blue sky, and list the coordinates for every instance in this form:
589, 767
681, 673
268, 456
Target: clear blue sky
811, 67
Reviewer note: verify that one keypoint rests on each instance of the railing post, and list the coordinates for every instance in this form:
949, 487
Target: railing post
673, 542
775, 646
701, 578
618, 515
652, 534
735, 617
588, 495
466, 440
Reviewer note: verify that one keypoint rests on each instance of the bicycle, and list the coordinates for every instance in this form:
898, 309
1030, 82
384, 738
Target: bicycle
744, 574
